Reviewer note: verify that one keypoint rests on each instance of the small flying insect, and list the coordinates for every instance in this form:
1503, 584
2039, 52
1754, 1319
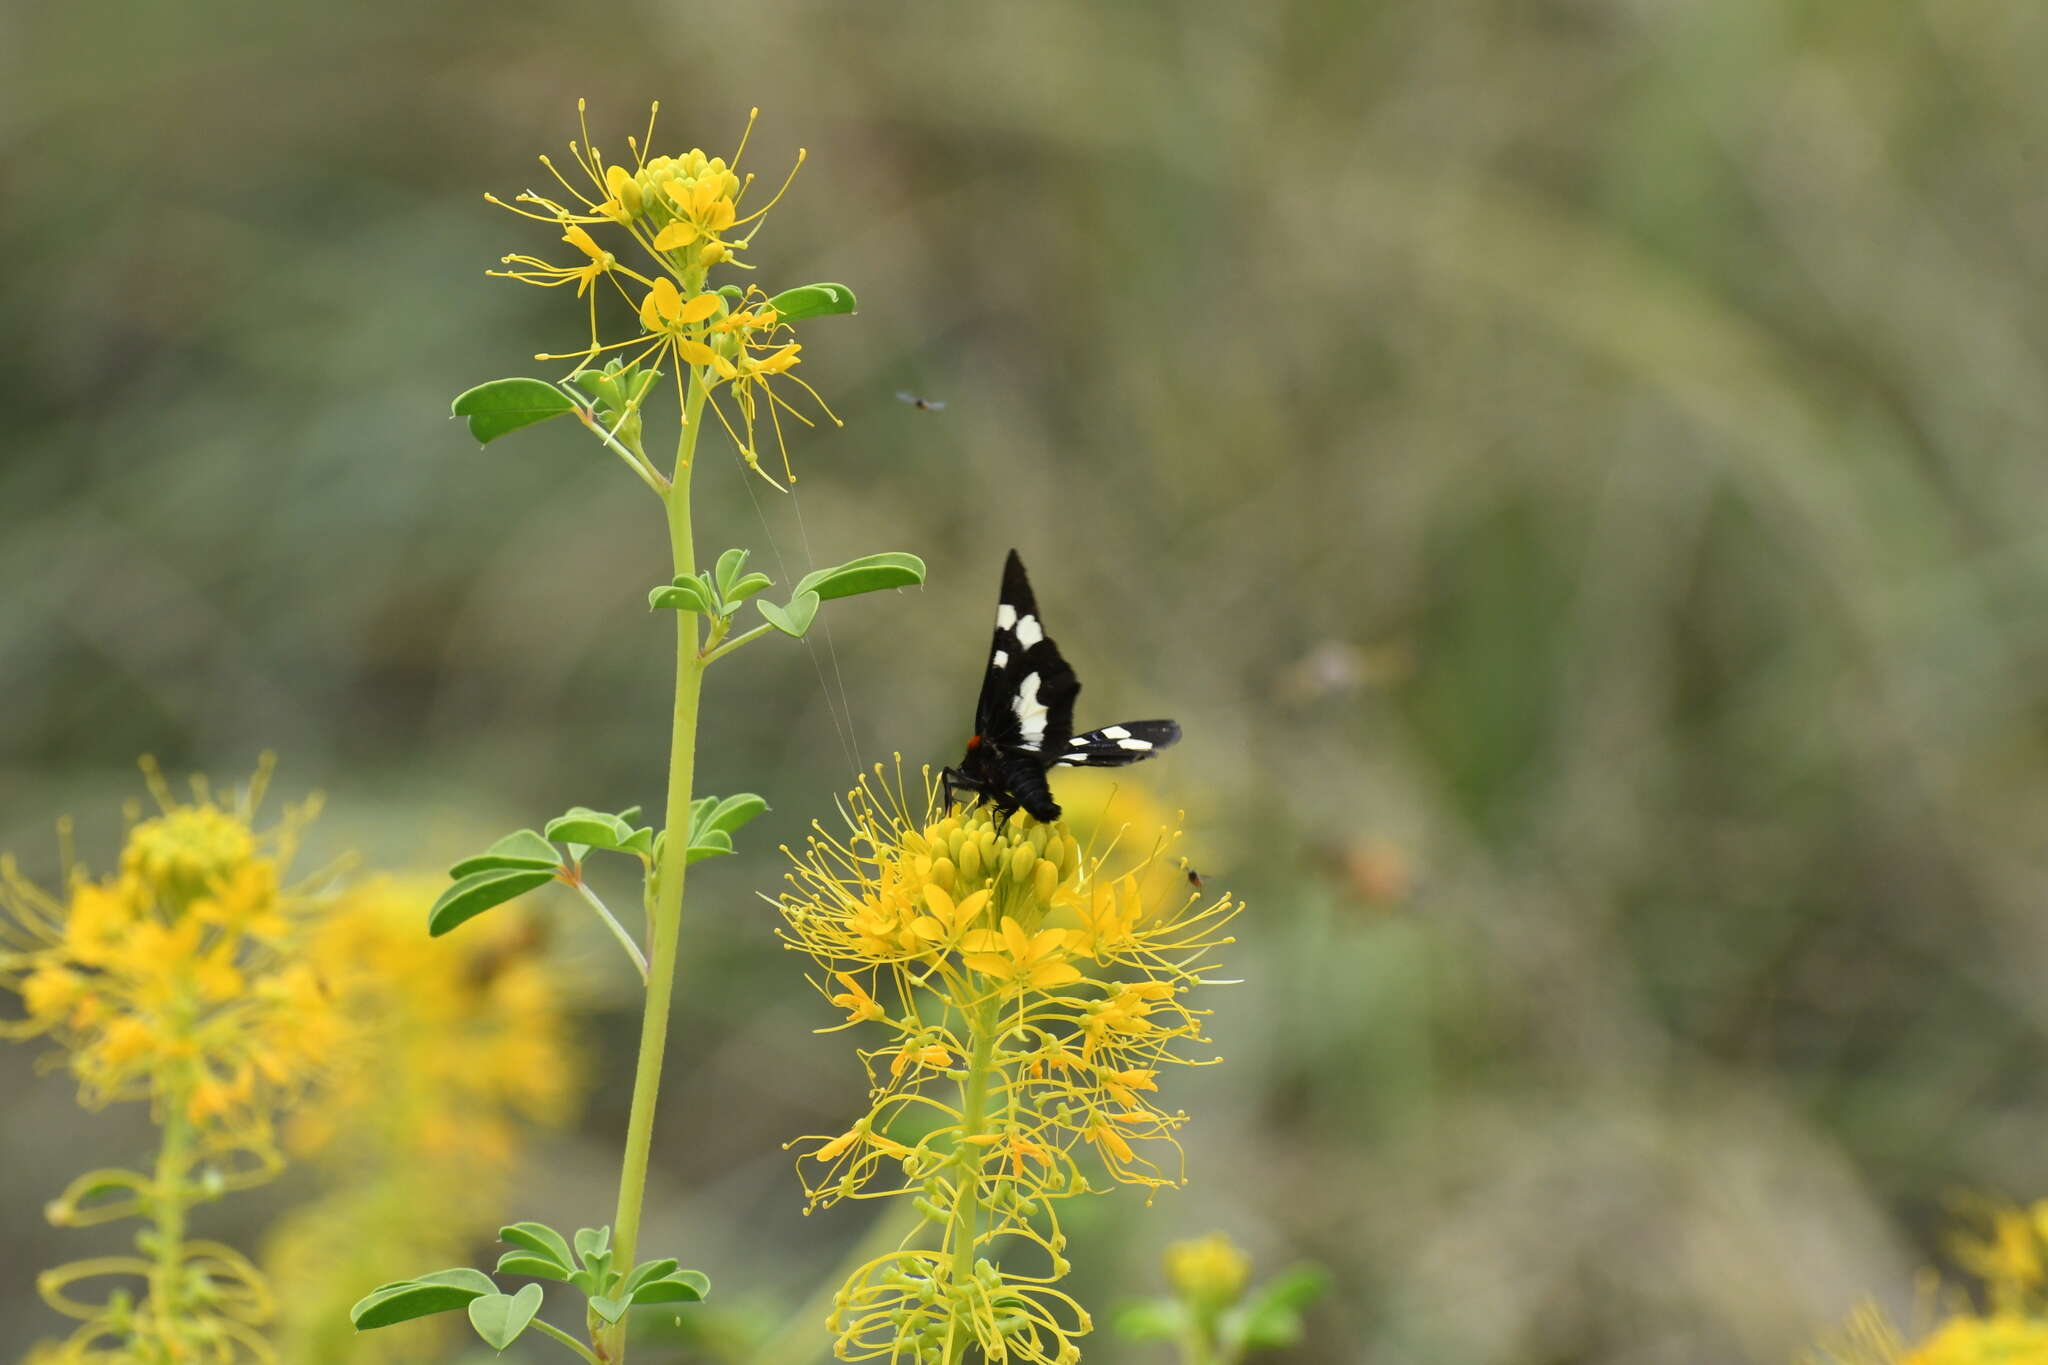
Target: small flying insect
1024, 719
921, 403
1194, 877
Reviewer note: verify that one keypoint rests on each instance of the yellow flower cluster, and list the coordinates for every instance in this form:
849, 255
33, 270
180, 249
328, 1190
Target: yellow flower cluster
2005, 1249
684, 215
1029, 994
463, 1049
170, 980
174, 980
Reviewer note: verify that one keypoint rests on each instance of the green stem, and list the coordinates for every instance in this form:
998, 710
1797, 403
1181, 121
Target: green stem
618, 930
548, 1329
168, 1196
665, 927
973, 1114
736, 641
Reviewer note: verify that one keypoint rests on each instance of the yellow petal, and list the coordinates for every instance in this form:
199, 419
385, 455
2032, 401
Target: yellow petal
720, 216
699, 308
780, 360
583, 242
723, 366
697, 353
939, 900
673, 236
1049, 974
667, 299
650, 317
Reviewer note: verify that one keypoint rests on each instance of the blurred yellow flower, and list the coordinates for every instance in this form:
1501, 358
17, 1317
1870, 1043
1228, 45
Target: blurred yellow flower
168, 981
1207, 1269
462, 1052
175, 981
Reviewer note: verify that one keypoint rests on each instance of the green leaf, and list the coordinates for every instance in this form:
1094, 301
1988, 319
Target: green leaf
648, 1270
522, 848
641, 842
594, 828
747, 587
728, 570
1297, 1287
506, 405
688, 593
813, 301
794, 619
480, 891
729, 815
593, 1242
869, 573
682, 1286
1153, 1320
525, 1263
610, 1309
630, 814
711, 844
441, 1292
1266, 1326
541, 1240
500, 1318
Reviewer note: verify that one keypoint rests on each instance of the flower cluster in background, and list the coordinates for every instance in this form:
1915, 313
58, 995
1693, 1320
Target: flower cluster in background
176, 981
2004, 1249
463, 1053
258, 1020
1028, 992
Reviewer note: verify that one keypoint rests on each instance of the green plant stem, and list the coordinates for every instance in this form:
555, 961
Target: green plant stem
973, 1114
548, 1329
618, 930
664, 928
736, 641
168, 1197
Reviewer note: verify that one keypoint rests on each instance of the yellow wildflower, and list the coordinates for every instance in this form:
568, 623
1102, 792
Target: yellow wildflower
685, 215
1209, 1269
1042, 996
459, 1048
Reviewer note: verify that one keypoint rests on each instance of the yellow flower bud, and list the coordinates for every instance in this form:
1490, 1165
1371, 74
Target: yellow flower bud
969, 854
943, 872
1022, 860
1209, 1270
623, 188
1045, 879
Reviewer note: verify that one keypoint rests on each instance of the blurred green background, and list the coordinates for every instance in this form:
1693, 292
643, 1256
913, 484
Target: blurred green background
1574, 467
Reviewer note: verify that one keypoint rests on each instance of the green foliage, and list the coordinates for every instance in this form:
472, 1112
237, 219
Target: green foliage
813, 301
471, 895
794, 618
506, 405
523, 848
1267, 1317
584, 1262
500, 1318
443, 1291
869, 573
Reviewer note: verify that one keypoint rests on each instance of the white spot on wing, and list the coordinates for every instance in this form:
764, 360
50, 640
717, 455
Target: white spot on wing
1114, 732
1000, 659
1079, 741
1028, 633
1031, 712
1006, 616
1139, 745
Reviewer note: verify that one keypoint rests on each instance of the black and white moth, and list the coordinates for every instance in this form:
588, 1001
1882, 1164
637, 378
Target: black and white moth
1024, 720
